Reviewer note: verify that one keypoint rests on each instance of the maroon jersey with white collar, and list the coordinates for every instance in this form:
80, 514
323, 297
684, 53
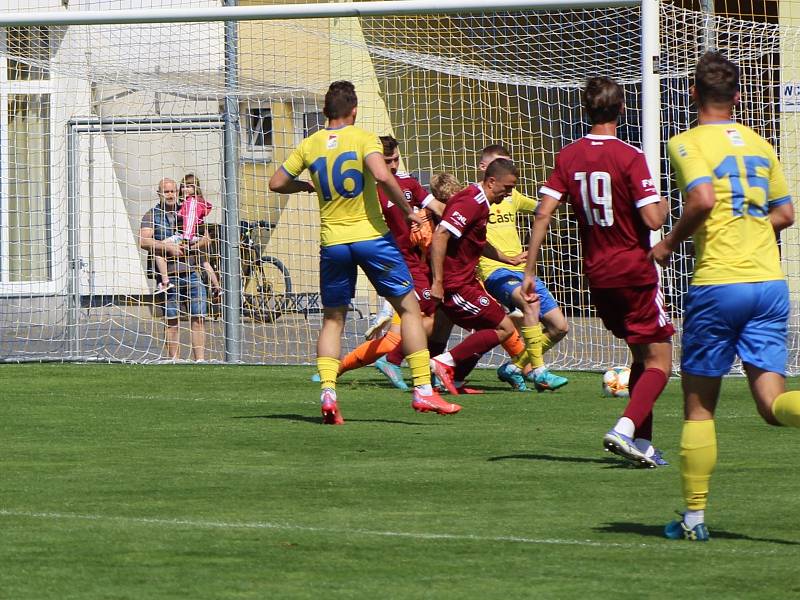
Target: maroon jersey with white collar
395, 218
465, 217
607, 181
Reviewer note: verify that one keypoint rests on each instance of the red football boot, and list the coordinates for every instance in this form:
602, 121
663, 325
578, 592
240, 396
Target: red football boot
445, 374
330, 409
433, 403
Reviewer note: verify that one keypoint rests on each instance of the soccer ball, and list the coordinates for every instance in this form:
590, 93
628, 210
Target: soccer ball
615, 382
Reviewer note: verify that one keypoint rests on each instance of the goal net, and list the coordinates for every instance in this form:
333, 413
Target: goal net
94, 116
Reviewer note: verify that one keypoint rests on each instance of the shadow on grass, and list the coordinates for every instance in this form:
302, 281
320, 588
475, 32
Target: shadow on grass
658, 531
317, 420
608, 461
497, 387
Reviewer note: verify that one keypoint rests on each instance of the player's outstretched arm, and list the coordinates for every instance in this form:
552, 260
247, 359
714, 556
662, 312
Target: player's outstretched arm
282, 183
493, 253
544, 212
436, 206
698, 204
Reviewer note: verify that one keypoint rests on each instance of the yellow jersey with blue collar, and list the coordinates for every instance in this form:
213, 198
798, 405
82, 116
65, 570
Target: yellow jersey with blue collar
347, 192
502, 232
736, 243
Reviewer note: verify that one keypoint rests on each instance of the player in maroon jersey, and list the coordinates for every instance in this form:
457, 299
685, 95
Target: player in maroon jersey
458, 243
418, 198
613, 196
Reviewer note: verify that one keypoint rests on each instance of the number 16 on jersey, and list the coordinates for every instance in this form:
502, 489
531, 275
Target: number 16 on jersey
339, 176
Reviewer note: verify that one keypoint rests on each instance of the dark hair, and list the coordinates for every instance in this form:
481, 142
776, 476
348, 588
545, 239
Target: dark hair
340, 100
389, 144
716, 79
493, 150
190, 179
603, 99
500, 166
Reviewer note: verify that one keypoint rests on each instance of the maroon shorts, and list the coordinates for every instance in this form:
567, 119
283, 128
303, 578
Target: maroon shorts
634, 314
471, 307
421, 274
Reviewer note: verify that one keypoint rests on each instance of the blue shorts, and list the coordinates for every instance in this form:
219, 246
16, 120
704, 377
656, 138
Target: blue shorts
188, 288
721, 321
379, 258
502, 283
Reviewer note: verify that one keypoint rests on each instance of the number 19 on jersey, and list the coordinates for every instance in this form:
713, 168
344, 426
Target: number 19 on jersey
596, 197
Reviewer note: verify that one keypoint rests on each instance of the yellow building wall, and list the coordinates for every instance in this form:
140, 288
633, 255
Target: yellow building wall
287, 61
293, 62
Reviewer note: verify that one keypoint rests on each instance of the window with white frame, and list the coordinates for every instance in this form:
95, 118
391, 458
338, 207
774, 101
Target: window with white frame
26, 229
31, 46
307, 117
312, 123
257, 132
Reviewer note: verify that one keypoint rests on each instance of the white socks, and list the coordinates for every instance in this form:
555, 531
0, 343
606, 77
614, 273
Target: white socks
625, 426
694, 517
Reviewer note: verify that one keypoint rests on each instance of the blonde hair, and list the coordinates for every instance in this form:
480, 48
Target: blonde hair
190, 179
444, 186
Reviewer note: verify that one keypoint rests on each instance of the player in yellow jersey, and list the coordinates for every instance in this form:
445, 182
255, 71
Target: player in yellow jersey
501, 269
346, 163
735, 202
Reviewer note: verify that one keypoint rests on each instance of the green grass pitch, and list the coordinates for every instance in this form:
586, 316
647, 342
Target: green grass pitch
210, 481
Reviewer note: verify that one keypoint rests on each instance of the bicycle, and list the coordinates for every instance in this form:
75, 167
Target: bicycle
266, 282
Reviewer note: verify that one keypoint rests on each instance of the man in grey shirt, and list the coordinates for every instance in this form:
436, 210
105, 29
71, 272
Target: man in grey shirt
159, 224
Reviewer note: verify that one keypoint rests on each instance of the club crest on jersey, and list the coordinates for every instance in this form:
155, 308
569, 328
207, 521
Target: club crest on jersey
735, 137
426, 293
483, 301
407, 194
333, 141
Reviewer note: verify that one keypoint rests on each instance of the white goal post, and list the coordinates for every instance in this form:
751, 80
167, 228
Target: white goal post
102, 104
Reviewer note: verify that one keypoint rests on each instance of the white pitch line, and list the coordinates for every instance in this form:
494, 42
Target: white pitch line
265, 525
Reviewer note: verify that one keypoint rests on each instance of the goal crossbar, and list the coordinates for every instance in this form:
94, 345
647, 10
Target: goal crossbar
104, 190
295, 11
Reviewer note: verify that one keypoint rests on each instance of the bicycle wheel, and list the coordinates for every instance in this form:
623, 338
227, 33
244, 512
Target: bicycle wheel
264, 292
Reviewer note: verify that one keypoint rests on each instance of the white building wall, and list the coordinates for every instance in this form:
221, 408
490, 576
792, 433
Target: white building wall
119, 171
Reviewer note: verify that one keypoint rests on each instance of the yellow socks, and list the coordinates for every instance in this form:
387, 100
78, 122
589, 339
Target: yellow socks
547, 343
786, 409
698, 458
327, 368
521, 360
419, 363
533, 343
